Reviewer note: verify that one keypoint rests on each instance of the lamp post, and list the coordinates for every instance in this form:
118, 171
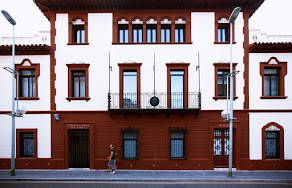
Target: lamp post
232, 18
13, 23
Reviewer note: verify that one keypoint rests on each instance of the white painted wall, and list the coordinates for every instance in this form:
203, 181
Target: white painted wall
100, 44
255, 82
256, 123
43, 83
41, 122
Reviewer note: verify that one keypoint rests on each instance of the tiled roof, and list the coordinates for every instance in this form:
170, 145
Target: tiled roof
271, 47
35, 49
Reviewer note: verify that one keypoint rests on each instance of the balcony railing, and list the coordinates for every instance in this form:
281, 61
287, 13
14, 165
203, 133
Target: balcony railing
191, 100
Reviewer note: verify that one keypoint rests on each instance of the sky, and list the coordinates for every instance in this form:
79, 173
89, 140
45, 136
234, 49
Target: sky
272, 17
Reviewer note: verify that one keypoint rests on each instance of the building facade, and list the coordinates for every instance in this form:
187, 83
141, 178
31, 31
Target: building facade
149, 78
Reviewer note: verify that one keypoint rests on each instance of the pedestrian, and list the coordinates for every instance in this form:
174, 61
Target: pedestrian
115, 165
112, 158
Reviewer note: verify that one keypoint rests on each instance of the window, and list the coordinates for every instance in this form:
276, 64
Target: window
273, 141
179, 32
222, 82
130, 89
26, 143
177, 85
271, 82
165, 32
273, 76
123, 33
130, 145
27, 83
151, 32
78, 82
222, 28
79, 34
272, 145
151, 28
177, 142
28, 79
223, 32
78, 29
221, 71
137, 33
129, 85
177, 88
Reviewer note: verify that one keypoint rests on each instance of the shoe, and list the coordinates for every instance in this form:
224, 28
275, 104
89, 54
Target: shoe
113, 172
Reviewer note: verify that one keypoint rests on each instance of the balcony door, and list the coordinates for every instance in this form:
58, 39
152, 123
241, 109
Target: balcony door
130, 89
177, 88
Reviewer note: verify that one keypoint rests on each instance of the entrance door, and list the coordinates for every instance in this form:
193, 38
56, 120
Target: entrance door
78, 148
221, 148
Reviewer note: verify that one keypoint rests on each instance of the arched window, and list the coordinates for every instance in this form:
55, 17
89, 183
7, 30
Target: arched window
223, 30
273, 141
123, 30
180, 30
151, 30
137, 27
165, 30
273, 75
78, 29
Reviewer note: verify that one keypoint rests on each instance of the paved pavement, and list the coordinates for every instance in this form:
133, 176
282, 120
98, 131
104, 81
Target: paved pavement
148, 176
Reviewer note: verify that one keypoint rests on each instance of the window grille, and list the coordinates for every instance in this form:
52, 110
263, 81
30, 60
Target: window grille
26, 144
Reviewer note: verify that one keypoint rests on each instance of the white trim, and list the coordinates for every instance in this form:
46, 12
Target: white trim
78, 22
151, 21
272, 128
165, 21
223, 20
180, 21
123, 21
137, 21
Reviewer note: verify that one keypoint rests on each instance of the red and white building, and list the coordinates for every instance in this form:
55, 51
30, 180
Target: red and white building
89, 82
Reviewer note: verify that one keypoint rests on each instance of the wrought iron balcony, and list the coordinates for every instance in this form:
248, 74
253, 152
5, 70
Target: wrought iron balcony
128, 101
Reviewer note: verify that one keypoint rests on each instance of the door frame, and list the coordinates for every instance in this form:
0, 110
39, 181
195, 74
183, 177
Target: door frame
90, 127
236, 145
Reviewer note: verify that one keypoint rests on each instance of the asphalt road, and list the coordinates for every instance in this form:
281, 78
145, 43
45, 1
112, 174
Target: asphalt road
127, 184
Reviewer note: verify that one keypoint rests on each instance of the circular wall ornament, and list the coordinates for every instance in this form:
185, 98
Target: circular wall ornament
154, 101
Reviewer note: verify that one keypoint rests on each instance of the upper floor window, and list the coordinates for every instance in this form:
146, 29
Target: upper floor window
28, 79
223, 32
180, 30
222, 82
130, 89
271, 82
151, 29
273, 75
78, 29
123, 28
78, 82
273, 141
222, 29
177, 85
129, 85
165, 30
137, 26
221, 71
27, 83
177, 88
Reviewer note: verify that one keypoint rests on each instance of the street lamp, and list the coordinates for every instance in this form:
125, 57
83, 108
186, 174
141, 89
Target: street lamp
228, 114
232, 18
13, 23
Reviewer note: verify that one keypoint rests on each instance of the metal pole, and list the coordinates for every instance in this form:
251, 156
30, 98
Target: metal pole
231, 107
13, 111
227, 79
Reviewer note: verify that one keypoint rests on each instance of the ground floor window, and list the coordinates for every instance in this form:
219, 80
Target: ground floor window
130, 136
26, 143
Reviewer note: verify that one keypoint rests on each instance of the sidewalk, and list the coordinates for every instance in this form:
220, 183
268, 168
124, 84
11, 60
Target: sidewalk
148, 175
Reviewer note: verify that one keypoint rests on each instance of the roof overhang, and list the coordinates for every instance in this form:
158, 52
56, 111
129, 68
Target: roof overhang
62, 6
271, 47
37, 49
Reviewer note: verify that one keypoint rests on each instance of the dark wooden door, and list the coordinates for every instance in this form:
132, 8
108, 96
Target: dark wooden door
221, 148
78, 148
